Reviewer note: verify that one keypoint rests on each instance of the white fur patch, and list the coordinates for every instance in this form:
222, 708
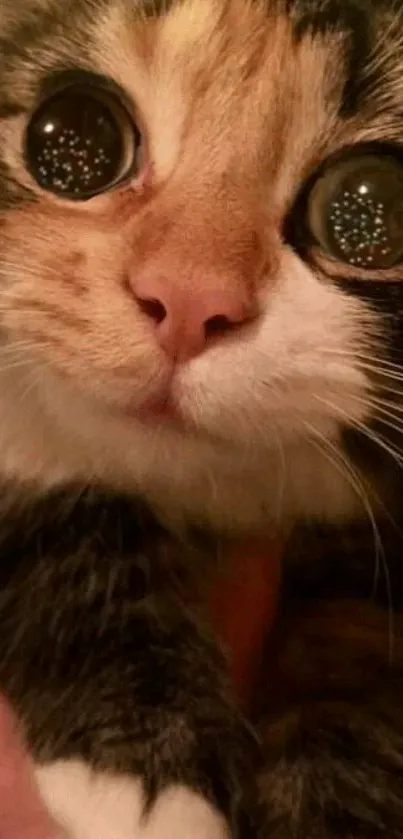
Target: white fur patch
90, 805
267, 408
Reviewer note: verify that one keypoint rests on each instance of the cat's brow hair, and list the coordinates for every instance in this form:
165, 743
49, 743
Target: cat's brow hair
66, 29
52, 36
155, 8
354, 18
322, 15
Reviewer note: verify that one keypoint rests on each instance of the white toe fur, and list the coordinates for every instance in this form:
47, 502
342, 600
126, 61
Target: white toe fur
95, 805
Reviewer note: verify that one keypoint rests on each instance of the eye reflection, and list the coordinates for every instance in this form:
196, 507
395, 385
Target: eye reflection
80, 143
355, 211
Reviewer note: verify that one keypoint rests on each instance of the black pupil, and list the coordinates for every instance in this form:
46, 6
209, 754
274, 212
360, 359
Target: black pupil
75, 145
365, 217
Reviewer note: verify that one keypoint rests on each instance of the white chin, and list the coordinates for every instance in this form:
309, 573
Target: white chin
222, 475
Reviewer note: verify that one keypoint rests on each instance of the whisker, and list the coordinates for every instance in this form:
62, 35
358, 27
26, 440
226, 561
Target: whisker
28, 390
282, 474
363, 429
342, 465
381, 412
369, 363
387, 403
393, 390
16, 348
15, 365
388, 424
387, 373
366, 356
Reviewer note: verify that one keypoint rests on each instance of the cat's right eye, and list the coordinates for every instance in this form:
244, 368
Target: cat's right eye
81, 142
355, 210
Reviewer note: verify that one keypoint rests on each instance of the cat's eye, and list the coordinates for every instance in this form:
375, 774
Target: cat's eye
81, 142
355, 211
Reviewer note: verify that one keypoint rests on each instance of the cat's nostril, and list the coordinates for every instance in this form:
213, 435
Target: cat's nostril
217, 325
186, 317
153, 308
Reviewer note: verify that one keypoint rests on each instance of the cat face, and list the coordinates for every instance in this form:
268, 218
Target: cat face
201, 247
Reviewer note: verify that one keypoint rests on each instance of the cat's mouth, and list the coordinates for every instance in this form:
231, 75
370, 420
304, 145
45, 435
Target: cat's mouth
157, 410
161, 408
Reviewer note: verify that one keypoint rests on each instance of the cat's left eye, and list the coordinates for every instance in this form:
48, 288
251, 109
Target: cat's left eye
81, 142
355, 211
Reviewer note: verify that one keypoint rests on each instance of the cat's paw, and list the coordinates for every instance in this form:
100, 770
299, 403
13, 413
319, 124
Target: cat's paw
95, 805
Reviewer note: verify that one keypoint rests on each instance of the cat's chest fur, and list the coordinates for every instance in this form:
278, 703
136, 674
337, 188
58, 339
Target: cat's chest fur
96, 805
108, 660
112, 729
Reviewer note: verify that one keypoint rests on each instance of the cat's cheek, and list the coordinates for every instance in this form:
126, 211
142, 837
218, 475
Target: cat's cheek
99, 805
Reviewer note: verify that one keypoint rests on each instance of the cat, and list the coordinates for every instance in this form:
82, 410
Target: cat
201, 239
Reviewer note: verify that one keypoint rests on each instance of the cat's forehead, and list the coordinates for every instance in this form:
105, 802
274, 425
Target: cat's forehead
42, 33
220, 78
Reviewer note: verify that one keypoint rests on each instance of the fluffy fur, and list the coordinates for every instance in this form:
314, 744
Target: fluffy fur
291, 420
214, 213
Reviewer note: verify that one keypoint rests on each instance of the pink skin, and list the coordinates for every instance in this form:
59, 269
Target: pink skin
244, 607
22, 813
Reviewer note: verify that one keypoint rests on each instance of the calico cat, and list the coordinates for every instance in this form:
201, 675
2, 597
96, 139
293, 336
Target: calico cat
201, 239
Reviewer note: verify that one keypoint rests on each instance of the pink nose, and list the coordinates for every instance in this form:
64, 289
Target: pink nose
186, 320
